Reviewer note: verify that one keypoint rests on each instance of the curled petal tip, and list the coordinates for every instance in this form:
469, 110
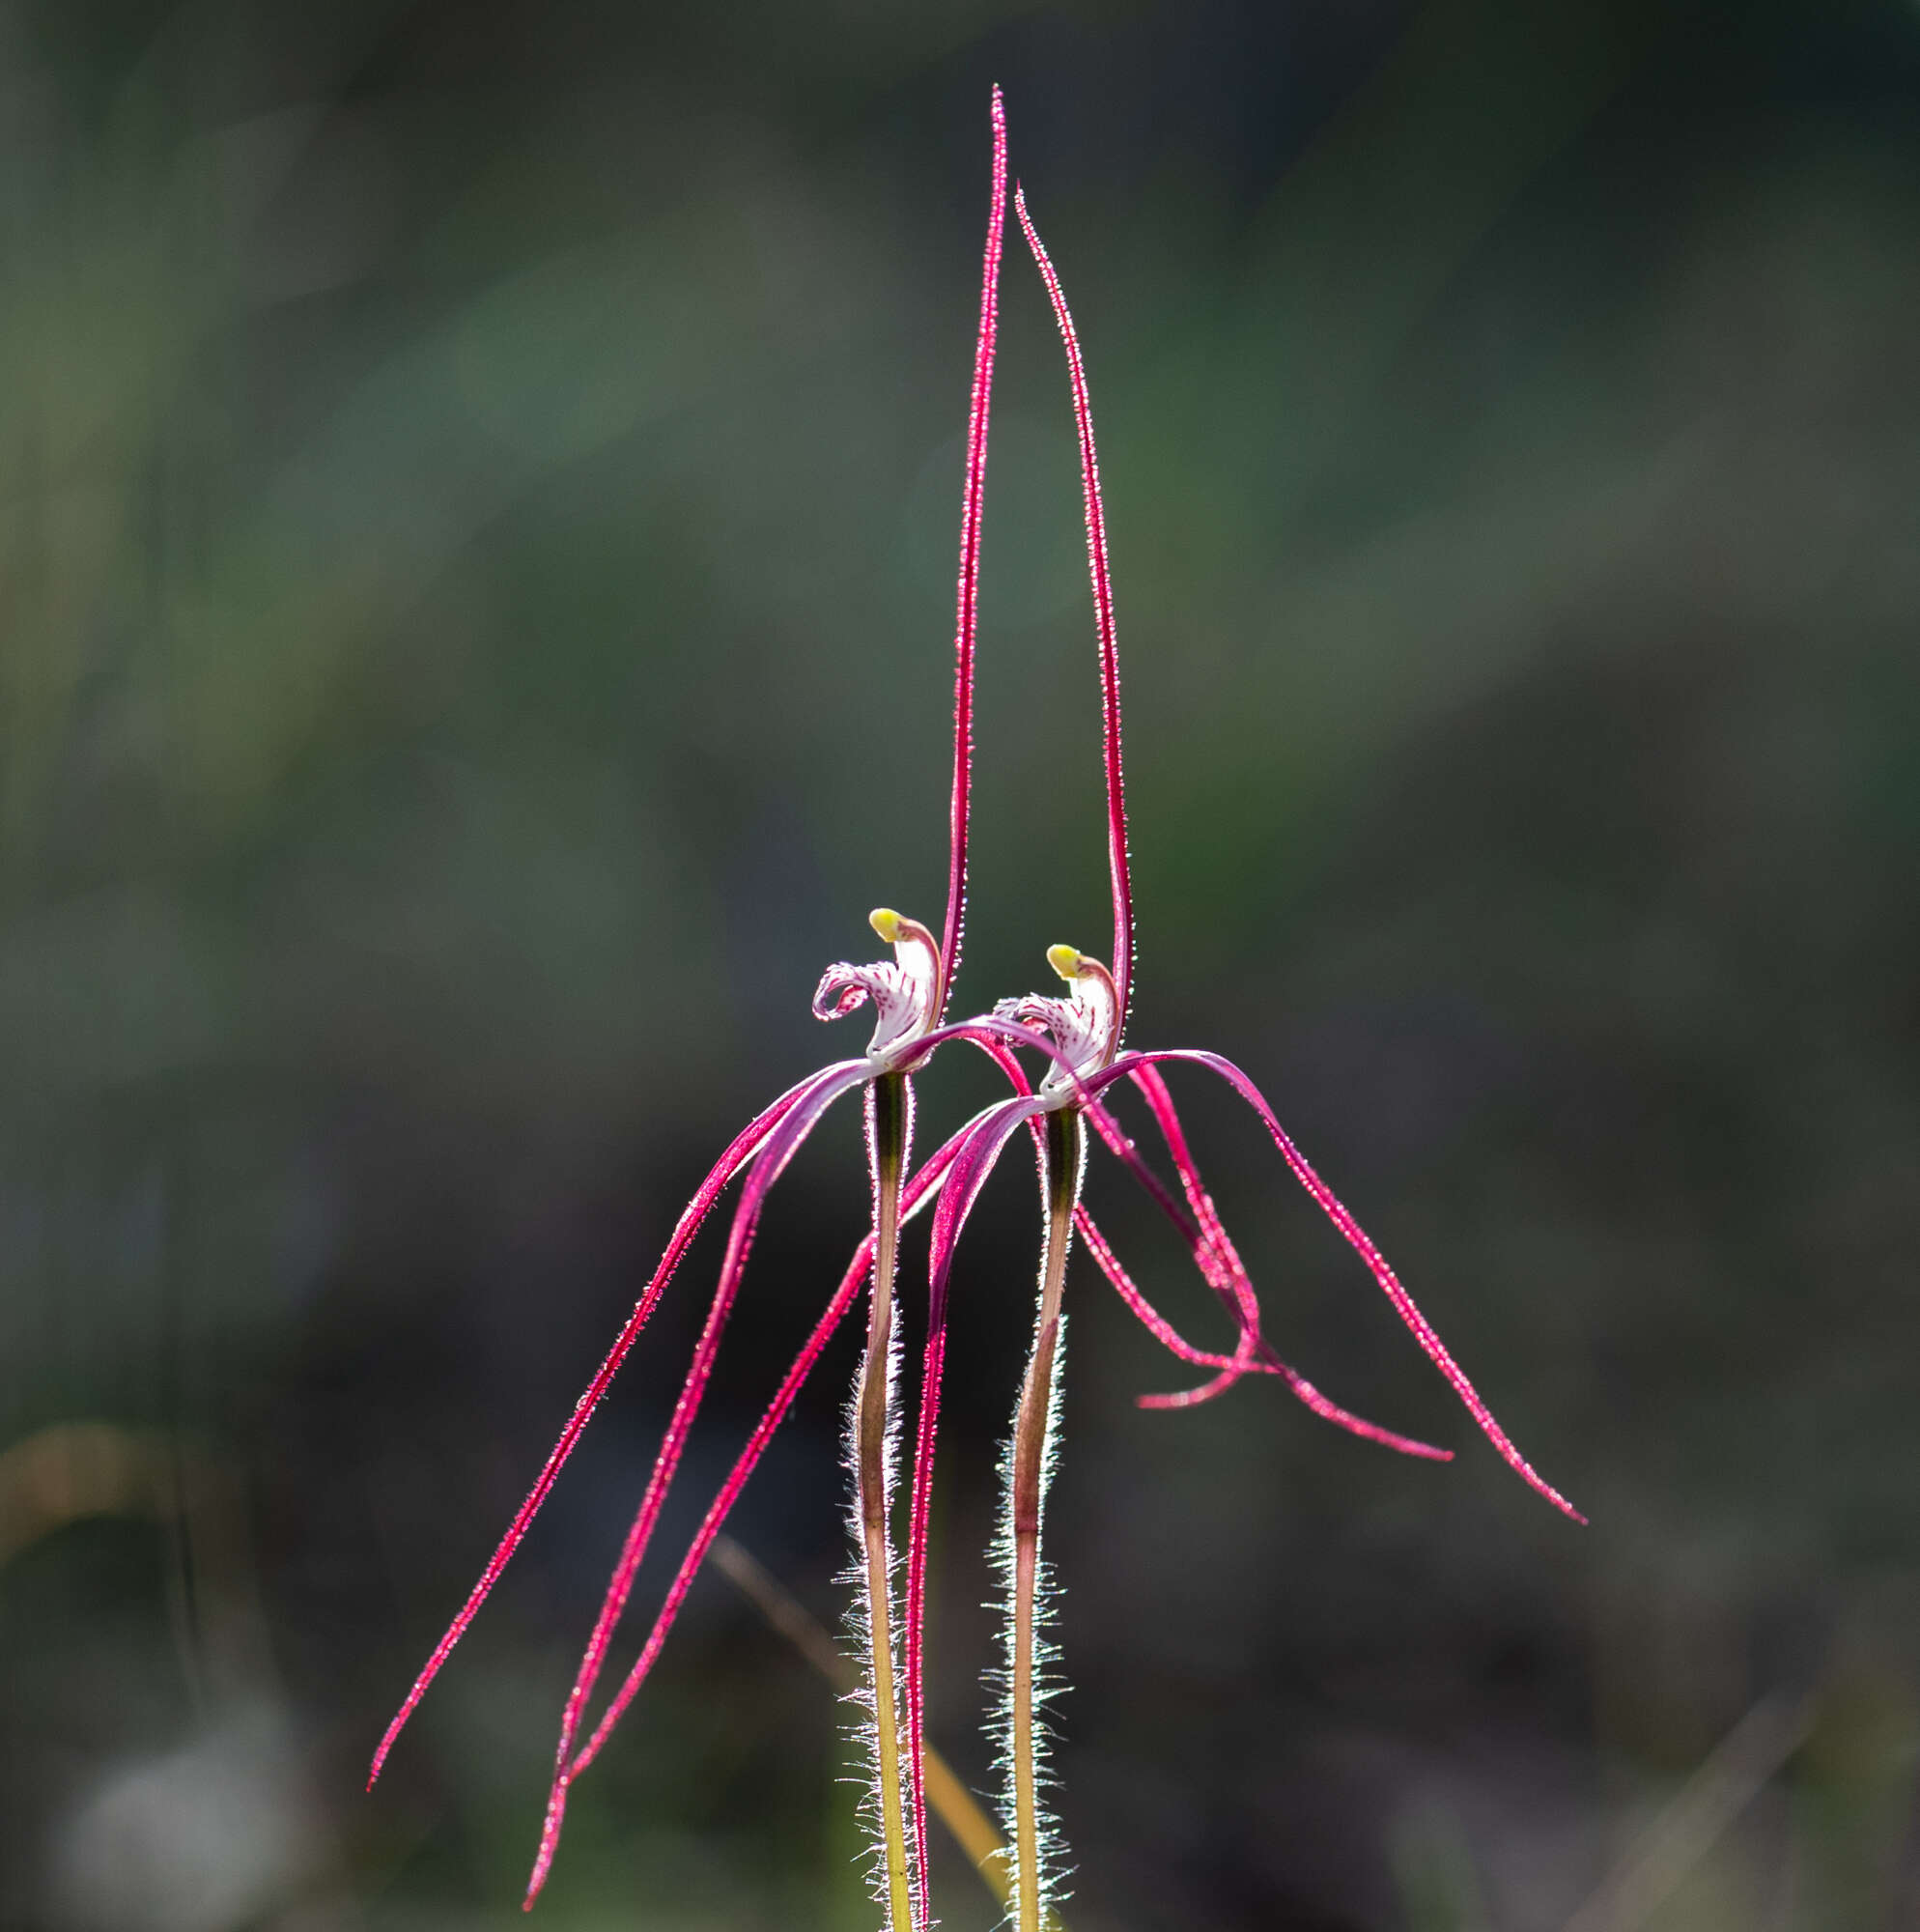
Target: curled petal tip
1065, 960
886, 921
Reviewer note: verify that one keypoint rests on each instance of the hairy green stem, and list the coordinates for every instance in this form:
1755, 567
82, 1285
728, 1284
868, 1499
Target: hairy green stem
886, 1129
1066, 1150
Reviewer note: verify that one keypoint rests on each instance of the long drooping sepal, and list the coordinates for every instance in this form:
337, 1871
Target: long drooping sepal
740, 1150
919, 1190
1103, 617
1358, 1239
816, 1096
1215, 1257
889, 1139
1219, 1259
1267, 1361
966, 628
982, 1142
1150, 1318
1028, 1466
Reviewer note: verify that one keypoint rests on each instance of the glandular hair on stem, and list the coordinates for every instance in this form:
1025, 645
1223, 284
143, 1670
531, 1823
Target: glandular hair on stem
872, 1444
1049, 1681
859, 1626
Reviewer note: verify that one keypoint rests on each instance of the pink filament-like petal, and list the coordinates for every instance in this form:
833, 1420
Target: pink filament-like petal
1150, 1318
1233, 1367
1103, 616
1222, 1271
1218, 1262
1360, 1244
967, 623
691, 1217
1214, 1263
982, 1141
919, 1509
912, 1197
816, 1097
1234, 1272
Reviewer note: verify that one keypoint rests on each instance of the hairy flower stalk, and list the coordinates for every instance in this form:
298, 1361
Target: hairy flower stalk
1029, 1464
1084, 1030
888, 1134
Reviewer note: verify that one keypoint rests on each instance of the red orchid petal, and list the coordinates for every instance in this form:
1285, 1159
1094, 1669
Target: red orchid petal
816, 1097
966, 622
1221, 1266
844, 1297
1103, 615
1156, 1324
1192, 1398
995, 1038
982, 1141
1233, 1367
1220, 1246
742, 1149
1214, 1255
985, 1028
916, 1195
1001, 1053
1222, 1271
1360, 1244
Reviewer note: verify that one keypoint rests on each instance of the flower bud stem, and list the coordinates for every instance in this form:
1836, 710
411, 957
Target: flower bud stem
1032, 1422
889, 1110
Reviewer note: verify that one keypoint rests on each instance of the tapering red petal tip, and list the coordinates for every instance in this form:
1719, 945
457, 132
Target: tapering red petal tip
398, 1723
550, 1828
1186, 1398
534, 1886
1358, 1239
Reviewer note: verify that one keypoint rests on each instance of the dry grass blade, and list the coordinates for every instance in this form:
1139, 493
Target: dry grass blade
973, 1830
1729, 1779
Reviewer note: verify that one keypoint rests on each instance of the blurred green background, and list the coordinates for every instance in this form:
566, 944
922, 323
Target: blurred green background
481, 484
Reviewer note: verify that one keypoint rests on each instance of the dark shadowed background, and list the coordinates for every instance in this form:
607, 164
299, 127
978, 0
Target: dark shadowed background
480, 496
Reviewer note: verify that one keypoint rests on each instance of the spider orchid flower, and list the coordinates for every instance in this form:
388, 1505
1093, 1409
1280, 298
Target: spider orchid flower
908, 994
1080, 1036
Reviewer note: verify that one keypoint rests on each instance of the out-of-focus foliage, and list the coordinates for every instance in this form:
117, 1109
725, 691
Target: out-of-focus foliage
479, 490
